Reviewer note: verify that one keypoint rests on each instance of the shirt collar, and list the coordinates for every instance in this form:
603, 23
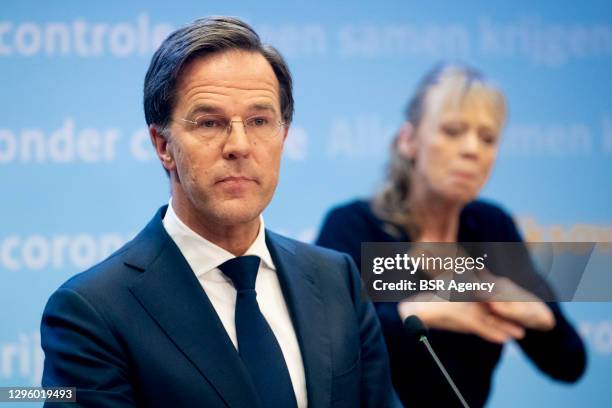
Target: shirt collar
203, 255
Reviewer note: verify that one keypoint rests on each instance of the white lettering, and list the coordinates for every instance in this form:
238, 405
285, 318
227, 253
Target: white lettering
557, 140
8, 146
372, 41
85, 39
59, 245
358, 137
88, 145
4, 28
63, 145
79, 28
296, 40
27, 39
59, 251
97, 39
83, 251
122, 40
8, 353
140, 146
160, 33
6, 253
32, 139
542, 43
24, 358
57, 32
35, 252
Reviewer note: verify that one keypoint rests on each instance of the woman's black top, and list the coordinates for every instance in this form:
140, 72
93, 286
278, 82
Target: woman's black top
469, 359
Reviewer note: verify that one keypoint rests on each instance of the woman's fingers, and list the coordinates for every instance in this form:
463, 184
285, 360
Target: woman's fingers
533, 315
464, 317
494, 328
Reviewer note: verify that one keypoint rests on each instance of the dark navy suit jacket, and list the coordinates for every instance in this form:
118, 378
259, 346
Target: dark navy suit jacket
138, 330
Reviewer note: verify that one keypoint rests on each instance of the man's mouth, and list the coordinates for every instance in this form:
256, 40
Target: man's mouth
235, 180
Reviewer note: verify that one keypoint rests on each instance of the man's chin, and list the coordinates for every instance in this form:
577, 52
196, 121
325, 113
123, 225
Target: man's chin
236, 213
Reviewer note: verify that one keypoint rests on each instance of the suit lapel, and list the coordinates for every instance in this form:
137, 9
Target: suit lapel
172, 295
298, 281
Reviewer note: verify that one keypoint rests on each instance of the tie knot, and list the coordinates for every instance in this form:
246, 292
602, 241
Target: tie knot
242, 271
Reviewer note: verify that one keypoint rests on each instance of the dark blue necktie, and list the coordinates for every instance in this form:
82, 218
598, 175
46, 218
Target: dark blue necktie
257, 345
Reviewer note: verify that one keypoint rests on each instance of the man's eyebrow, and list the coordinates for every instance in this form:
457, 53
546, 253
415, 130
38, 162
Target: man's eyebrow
204, 109
211, 109
262, 107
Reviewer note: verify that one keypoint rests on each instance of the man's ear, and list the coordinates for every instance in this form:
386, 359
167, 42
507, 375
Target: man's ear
406, 141
160, 143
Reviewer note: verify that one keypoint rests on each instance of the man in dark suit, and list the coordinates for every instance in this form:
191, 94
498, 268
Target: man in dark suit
173, 317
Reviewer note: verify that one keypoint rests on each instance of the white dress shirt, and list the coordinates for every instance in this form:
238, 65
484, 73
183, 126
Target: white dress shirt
204, 257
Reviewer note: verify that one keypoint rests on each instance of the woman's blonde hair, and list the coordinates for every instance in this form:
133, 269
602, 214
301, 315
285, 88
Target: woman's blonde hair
391, 203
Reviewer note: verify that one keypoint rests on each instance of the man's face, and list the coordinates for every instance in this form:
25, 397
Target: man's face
227, 180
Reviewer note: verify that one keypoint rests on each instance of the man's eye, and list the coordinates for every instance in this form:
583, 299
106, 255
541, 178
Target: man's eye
258, 122
209, 123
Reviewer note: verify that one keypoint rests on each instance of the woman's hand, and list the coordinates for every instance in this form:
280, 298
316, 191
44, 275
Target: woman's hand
496, 322
463, 317
520, 306
532, 315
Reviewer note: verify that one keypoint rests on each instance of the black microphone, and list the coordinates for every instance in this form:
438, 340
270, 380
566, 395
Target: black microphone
416, 329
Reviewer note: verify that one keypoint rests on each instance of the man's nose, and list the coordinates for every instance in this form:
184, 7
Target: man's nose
237, 143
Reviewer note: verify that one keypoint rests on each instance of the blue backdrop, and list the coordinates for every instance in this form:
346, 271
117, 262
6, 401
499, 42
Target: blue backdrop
79, 178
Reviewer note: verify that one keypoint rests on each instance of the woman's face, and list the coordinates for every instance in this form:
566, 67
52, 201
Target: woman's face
455, 145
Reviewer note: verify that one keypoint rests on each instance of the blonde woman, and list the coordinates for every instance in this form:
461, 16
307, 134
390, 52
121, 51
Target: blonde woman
440, 160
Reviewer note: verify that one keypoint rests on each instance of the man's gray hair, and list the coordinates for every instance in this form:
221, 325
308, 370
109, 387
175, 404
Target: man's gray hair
202, 38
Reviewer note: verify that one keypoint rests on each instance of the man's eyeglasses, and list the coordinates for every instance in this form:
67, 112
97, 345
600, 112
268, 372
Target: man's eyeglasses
217, 127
